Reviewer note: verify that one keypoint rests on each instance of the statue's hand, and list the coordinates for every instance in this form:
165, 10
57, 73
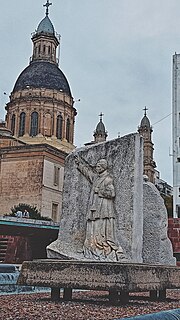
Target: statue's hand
107, 192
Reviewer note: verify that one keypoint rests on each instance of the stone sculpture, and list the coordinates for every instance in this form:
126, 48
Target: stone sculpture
109, 213
102, 210
100, 217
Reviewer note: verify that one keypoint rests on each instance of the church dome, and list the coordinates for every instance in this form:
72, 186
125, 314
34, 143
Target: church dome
42, 74
45, 26
100, 128
145, 122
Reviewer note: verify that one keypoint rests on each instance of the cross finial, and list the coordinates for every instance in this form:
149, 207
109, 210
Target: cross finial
47, 5
101, 115
145, 109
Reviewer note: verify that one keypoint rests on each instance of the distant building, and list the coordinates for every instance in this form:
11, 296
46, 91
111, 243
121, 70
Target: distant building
145, 130
163, 187
176, 134
39, 129
100, 133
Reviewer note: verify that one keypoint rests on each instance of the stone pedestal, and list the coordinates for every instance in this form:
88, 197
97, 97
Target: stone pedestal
117, 278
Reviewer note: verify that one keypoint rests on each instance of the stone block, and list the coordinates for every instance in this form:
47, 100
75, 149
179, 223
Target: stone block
124, 157
111, 276
157, 247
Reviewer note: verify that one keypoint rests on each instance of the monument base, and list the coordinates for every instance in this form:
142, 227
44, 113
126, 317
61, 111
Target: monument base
117, 278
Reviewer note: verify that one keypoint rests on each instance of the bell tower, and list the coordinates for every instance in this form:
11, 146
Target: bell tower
145, 130
45, 41
100, 134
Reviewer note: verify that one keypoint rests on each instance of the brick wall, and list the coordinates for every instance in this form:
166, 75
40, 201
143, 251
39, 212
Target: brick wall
174, 235
18, 249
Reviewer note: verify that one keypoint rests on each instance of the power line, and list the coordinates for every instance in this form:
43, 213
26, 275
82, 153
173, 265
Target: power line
162, 119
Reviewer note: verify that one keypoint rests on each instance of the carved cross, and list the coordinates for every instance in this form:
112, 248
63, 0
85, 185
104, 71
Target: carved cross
47, 5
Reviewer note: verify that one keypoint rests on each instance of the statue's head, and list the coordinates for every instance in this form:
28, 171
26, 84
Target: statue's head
145, 178
101, 165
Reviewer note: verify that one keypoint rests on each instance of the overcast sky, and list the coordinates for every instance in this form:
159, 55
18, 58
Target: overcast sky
116, 55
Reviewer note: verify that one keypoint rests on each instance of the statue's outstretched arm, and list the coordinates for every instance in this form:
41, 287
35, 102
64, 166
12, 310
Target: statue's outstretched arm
84, 168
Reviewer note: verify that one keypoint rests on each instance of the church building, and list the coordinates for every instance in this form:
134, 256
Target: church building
100, 133
39, 129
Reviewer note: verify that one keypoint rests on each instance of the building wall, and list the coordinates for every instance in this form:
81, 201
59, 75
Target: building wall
33, 175
8, 142
20, 181
53, 175
16, 250
176, 135
162, 185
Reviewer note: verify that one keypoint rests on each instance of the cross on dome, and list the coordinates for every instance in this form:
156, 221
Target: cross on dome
145, 109
47, 5
101, 115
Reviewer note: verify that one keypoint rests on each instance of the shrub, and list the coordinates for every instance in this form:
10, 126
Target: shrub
33, 211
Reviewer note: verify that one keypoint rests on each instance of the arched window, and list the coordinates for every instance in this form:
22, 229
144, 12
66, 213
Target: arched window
39, 49
22, 124
68, 130
13, 120
34, 124
59, 126
44, 49
49, 49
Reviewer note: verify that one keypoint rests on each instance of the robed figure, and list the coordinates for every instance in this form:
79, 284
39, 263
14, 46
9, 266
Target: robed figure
100, 243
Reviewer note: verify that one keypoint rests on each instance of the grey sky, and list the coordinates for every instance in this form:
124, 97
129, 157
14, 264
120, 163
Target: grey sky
116, 55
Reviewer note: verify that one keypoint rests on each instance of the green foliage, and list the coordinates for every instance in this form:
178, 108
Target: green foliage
33, 211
